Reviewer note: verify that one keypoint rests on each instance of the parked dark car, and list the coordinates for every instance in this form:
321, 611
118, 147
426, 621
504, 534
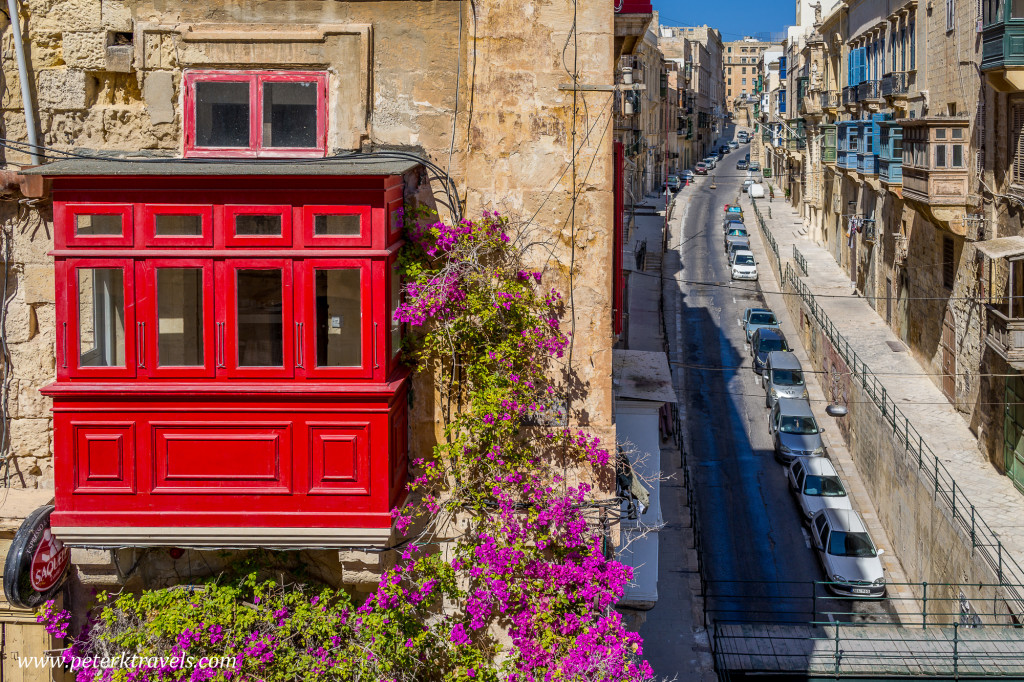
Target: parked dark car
764, 341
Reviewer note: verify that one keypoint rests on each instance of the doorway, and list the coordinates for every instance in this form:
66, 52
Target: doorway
1013, 431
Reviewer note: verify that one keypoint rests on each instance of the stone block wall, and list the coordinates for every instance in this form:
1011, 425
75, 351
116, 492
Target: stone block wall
107, 77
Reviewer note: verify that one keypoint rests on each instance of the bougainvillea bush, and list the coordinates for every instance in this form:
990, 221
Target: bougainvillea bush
502, 572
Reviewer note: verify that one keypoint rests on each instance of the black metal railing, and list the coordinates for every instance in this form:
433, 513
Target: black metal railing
829, 99
800, 261
896, 83
947, 493
850, 94
869, 90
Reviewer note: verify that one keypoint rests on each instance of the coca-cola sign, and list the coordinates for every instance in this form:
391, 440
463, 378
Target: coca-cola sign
37, 563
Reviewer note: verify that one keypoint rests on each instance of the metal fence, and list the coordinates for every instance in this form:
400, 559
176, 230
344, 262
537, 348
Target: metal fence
768, 236
948, 495
800, 261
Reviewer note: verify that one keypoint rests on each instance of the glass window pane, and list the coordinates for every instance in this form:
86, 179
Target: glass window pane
101, 317
179, 302
396, 300
338, 318
958, 133
258, 225
1017, 9
940, 156
337, 225
178, 225
289, 114
97, 224
260, 318
940, 133
222, 114
958, 156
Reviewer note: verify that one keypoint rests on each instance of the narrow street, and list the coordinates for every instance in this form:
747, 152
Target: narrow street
755, 548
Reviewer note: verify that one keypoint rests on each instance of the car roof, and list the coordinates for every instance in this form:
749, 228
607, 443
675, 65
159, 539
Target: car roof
794, 407
818, 466
781, 359
768, 332
741, 252
847, 520
756, 310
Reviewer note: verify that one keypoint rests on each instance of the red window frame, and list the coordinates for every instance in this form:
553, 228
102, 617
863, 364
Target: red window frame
256, 80
149, 237
227, 318
392, 351
64, 215
146, 300
229, 212
308, 219
70, 348
306, 317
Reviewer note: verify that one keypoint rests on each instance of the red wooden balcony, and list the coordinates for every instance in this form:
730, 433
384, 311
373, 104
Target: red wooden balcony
633, 7
228, 369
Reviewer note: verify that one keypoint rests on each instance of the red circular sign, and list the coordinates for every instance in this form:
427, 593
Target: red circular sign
49, 562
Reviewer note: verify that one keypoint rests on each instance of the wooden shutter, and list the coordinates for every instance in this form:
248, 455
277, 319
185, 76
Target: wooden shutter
1018, 144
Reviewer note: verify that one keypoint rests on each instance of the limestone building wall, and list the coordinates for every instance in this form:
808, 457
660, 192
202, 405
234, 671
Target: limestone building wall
107, 78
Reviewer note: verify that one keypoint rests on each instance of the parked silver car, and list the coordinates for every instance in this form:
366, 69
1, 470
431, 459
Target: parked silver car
755, 318
816, 486
794, 430
736, 231
782, 378
847, 554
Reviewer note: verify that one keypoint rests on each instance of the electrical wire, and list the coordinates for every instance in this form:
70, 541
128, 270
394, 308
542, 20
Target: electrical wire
732, 368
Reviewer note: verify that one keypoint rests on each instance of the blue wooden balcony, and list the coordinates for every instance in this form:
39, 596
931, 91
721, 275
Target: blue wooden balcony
890, 153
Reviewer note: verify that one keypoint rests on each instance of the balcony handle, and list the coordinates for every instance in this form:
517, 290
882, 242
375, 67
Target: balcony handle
373, 344
219, 350
141, 344
64, 346
298, 344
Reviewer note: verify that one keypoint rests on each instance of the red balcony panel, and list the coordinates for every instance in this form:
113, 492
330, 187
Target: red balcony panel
633, 7
103, 460
339, 455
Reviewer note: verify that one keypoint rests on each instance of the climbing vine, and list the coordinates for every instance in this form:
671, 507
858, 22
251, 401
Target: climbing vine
502, 573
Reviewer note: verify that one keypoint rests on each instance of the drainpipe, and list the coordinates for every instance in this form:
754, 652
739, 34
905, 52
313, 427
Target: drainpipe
26, 92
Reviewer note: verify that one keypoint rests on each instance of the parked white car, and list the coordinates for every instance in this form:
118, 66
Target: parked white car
744, 266
816, 485
847, 554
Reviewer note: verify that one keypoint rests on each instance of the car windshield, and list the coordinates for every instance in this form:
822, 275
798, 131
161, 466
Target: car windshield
768, 345
824, 486
762, 318
744, 259
801, 426
737, 232
857, 545
788, 377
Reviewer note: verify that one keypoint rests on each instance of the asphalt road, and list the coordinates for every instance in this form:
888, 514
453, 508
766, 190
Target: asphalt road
755, 548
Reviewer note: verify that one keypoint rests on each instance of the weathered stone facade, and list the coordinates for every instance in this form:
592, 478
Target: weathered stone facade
107, 79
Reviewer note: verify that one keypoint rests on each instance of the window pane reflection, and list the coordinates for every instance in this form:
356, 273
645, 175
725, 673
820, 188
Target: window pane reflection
101, 317
178, 225
222, 114
337, 225
338, 318
260, 318
289, 114
179, 300
258, 225
396, 300
98, 224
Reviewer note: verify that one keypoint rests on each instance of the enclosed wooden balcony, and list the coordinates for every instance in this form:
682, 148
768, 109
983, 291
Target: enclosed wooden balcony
935, 169
1002, 44
1002, 274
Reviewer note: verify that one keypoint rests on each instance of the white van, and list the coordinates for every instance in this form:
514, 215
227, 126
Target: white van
756, 191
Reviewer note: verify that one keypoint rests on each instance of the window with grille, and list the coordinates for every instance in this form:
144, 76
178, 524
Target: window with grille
950, 12
1017, 146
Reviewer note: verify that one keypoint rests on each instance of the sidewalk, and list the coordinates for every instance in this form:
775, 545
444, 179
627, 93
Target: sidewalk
943, 429
675, 643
